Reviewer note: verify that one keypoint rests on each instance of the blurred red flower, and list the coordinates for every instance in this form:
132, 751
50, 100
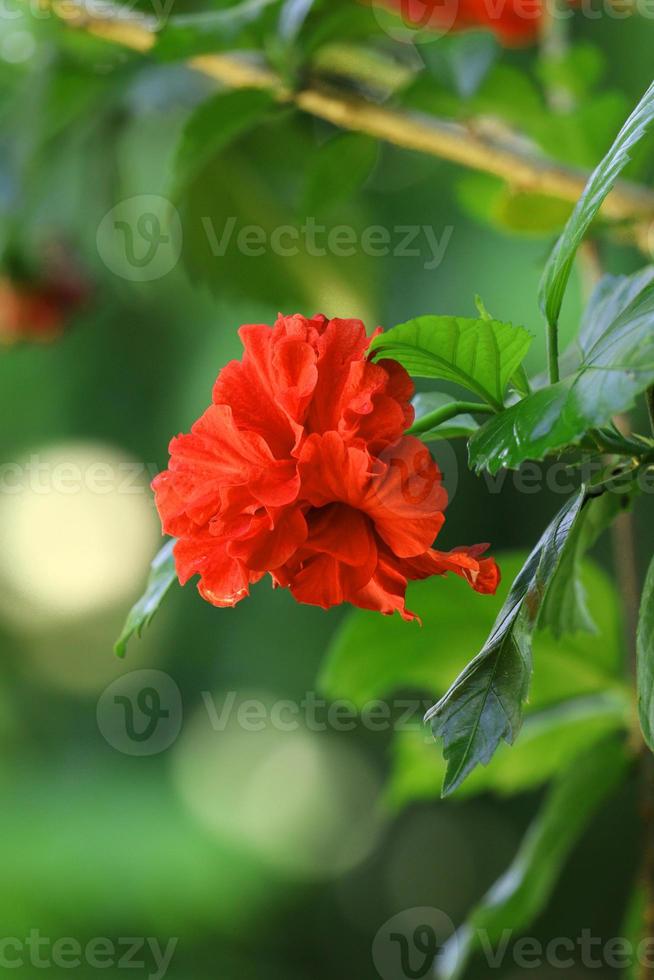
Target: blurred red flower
37, 308
300, 468
514, 22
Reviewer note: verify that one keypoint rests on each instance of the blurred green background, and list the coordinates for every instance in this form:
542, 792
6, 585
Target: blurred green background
267, 854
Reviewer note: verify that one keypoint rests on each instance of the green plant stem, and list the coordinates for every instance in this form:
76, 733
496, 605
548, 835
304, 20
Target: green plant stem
447, 412
553, 352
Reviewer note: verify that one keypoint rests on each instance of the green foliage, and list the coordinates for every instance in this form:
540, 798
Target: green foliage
162, 576
216, 124
616, 367
339, 171
462, 62
484, 705
241, 25
520, 894
480, 355
565, 607
427, 407
646, 659
550, 739
558, 269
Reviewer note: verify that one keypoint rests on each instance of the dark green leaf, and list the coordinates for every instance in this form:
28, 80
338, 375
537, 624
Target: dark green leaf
525, 888
234, 26
549, 740
646, 659
617, 366
338, 172
162, 576
460, 425
213, 126
484, 705
558, 269
481, 355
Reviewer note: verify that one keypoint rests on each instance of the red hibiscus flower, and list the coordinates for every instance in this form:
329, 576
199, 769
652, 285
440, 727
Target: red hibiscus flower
300, 468
514, 22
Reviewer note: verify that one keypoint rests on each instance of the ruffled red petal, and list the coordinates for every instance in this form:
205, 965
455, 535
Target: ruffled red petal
300, 468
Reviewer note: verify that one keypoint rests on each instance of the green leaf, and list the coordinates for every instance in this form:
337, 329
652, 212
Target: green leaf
633, 928
484, 705
216, 124
616, 367
558, 269
292, 16
577, 70
462, 62
339, 170
565, 607
162, 576
645, 642
460, 425
362, 662
524, 890
612, 296
481, 355
550, 739
233, 26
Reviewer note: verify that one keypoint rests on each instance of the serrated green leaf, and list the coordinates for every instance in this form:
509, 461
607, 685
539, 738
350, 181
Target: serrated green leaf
480, 355
162, 576
645, 644
214, 125
550, 739
525, 888
616, 367
558, 269
484, 705
458, 426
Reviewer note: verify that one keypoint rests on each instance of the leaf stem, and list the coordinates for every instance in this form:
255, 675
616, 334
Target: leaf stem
447, 412
553, 352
